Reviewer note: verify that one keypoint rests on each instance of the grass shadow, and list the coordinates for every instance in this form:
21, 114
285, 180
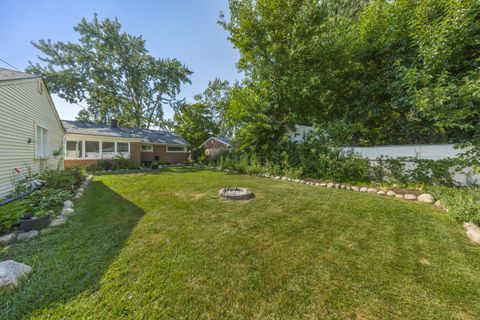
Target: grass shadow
72, 259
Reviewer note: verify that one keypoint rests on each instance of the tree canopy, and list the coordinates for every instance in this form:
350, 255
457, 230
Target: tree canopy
402, 71
113, 73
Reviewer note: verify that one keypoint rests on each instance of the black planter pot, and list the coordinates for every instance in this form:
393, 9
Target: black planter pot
28, 223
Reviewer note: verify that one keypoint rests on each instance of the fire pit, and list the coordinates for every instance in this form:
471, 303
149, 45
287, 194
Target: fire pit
236, 193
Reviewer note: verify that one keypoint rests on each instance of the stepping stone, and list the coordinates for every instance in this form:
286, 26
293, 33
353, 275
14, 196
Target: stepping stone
409, 196
58, 222
27, 235
68, 204
473, 232
67, 211
8, 238
11, 272
425, 197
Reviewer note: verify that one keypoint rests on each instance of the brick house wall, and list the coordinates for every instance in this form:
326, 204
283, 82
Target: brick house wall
160, 151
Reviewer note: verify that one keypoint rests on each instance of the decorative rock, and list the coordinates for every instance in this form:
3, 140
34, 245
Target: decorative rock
391, 193
68, 204
303, 181
317, 184
425, 197
11, 272
337, 185
27, 235
355, 188
371, 190
277, 178
323, 184
381, 193
409, 196
58, 222
363, 189
80, 190
67, 211
399, 196
473, 232
8, 238
284, 178
343, 186
330, 185
46, 230
78, 196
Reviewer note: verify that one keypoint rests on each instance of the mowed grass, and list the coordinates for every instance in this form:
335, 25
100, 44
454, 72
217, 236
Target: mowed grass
164, 246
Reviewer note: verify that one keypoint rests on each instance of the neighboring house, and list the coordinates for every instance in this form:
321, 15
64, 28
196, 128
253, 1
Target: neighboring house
87, 143
30, 129
299, 133
214, 145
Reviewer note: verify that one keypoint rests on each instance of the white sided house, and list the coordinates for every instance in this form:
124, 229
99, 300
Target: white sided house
31, 133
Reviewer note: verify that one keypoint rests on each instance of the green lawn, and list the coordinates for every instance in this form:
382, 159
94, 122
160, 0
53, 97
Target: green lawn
163, 246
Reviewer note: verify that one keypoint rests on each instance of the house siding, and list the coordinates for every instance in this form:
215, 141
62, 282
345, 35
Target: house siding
22, 107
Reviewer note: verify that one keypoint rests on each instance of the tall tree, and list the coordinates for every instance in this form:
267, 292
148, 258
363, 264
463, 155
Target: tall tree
113, 73
216, 99
194, 123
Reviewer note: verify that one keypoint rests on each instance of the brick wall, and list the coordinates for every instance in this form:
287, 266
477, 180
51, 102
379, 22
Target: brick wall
135, 151
161, 152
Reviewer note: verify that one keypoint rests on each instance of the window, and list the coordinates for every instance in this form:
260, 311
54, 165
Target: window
41, 143
147, 148
92, 149
74, 149
176, 149
122, 147
108, 146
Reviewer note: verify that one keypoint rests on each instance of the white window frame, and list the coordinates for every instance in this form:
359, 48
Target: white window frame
42, 150
100, 153
146, 145
183, 151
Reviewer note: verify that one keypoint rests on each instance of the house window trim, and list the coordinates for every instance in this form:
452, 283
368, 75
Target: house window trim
183, 151
38, 156
146, 145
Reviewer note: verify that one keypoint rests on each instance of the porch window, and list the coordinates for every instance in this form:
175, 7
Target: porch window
92, 149
108, 149
122, 149
74, 149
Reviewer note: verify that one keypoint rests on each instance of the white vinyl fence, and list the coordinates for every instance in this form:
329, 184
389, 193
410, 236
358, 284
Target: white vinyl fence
421, 151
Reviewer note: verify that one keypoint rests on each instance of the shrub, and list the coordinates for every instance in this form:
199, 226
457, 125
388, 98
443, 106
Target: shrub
125, 163
59, 179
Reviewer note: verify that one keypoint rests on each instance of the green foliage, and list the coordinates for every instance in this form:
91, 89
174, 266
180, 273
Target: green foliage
117, 163
113, 73
44, 201
194, 123
394, 72
462, 203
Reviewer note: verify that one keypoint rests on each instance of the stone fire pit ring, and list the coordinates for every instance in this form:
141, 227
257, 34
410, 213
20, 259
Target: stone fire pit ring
236, 193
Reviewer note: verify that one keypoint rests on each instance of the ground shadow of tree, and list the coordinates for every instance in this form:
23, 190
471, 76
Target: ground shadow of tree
73, 258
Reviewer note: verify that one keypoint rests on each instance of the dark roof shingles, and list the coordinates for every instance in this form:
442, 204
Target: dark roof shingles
147, 136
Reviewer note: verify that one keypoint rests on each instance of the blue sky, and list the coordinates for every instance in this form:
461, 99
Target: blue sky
182, 29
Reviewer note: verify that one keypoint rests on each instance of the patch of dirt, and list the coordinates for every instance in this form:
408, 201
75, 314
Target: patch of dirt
424, 261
